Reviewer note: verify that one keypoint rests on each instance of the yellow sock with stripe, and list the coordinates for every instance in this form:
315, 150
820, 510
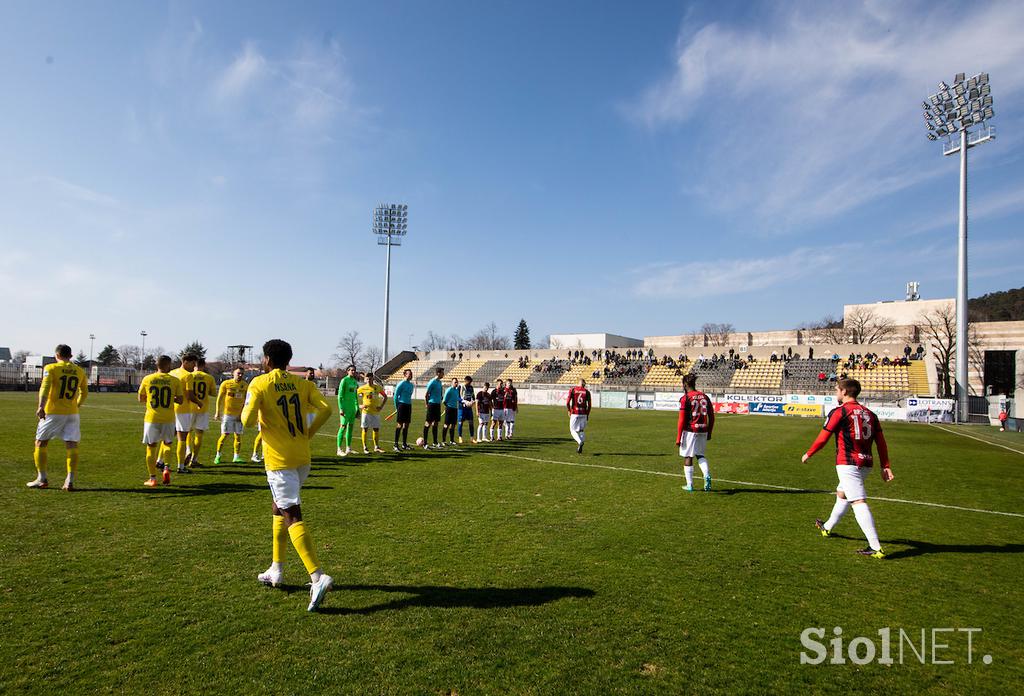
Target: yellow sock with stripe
180, 451
39, 458
303, 543
163, 452
220, 442
256, 444
238, 444
280, 539
197, 442
72, 459
152, 454
363, 435
376, 439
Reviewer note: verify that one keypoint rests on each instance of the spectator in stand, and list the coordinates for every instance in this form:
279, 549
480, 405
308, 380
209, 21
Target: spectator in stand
810, 352
821, 377
789, 352
906, 351
920, 352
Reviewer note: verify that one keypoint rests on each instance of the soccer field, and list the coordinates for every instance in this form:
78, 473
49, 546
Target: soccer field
518, 567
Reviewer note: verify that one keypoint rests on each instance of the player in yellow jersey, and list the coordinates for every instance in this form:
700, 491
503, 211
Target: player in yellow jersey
230, 399
63, 390
372, 398
280, 401
161, 392
203, 386
183, 412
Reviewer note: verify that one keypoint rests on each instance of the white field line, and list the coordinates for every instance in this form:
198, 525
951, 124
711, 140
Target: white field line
979, 439
675, 475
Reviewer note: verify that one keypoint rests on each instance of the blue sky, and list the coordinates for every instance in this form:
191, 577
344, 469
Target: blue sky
208, 170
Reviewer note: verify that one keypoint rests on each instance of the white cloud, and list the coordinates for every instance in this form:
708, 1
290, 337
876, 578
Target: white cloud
986, 205
817, 112
75, 192
731, 276
244, 72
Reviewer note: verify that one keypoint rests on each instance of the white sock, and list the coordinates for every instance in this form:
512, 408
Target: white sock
276, 567
577, 436
583, 437
867, 524
838, 510
688, 470
703, 463
315, 575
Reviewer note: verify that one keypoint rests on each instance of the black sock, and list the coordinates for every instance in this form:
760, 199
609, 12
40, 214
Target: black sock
397, 431
405, 436
435, 433
426, 429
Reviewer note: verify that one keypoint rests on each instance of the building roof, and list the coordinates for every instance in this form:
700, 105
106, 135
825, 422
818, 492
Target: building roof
5, 353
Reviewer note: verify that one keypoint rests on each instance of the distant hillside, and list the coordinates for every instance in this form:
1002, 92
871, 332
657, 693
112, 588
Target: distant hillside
1007, 305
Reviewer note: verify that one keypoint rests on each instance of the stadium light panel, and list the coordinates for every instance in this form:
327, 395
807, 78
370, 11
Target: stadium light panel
983, 78
985, 90
988, 113
943, 86
959, 88
987, 101
932, 136
959, 77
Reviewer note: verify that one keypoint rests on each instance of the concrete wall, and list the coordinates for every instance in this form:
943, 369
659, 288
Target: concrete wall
900, 312
591, 341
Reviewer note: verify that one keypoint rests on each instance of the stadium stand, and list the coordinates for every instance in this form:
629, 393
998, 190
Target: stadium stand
757, 375
917, 378
573, 374
714, 377
892, 379
548, 371
418, 367
803, 376
465, 367
665, 376
429, 373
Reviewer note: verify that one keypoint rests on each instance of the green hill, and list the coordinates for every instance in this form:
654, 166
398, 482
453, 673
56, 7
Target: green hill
1006, 305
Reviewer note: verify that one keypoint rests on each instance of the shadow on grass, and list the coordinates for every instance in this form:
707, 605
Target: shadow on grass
212, 488
457, 597
630, 454
921, 548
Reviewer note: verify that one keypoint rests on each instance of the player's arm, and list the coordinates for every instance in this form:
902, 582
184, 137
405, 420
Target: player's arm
44, 394
142, 393
568, 401
830, 425
711, 417
883, 454
323, 411
179, 392
679, 428
222, 395
385, 395
83, 389
251, 410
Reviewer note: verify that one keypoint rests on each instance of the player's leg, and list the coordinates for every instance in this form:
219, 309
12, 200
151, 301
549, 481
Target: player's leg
237, 447
72, 465
701, 443
197, 444
220, 445
838, 510
853, 486
279, 544
572, 429
362, 435
350, 426
285, 487
257, 447
433, 429
39, 459
341, 436
376, 440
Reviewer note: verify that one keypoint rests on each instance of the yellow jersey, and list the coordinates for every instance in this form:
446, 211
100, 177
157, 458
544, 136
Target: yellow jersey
64, 388
204, 386
280, 402
160, 389
187, 380
371, 398
231, 397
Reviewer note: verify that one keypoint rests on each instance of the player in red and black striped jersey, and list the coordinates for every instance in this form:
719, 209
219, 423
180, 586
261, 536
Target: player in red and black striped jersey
483, 409
856, 429
578, 404
497, 411
511, 407
696, 421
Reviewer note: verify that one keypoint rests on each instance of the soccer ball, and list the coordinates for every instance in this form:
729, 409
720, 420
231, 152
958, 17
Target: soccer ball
420, 441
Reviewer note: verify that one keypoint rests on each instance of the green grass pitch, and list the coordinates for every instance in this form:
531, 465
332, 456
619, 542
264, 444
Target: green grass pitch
507, 568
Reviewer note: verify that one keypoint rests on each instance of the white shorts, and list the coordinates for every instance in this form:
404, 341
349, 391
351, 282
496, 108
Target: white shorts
285, 485
370, 421
693, 444
510, 416
498, 414
183, 422
200, 421
484, 418
851, 481
231, 425
577, 422
65, 427
155, 433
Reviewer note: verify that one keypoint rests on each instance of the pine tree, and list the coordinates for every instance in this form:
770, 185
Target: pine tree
109, 356
81, 359
522, 337
194, 347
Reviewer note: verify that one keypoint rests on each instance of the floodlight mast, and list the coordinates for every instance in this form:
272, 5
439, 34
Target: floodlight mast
390, 224
950, 114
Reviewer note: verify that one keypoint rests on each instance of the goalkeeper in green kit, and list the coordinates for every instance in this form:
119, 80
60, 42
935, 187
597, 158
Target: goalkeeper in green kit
348, 407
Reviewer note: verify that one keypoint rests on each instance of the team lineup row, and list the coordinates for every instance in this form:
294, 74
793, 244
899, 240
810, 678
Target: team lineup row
290, 410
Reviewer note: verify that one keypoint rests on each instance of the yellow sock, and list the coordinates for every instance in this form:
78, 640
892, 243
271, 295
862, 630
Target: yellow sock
303, 543
180, 451
164, 452
376, 439
280, 539
256, 445
73, 462
197, 442
220, 442
39, 457
363, 434
152, 454
238, 444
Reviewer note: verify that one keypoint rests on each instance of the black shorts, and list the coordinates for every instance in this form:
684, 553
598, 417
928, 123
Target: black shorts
403, 415
433, 413
451, 416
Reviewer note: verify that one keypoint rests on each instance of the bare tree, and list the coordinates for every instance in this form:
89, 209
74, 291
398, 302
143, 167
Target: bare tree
20, 356
939, 329
488, 338
435, 341
131, 356
689, 340
718, 334
828, 329
349, 348
863, 325
371, 358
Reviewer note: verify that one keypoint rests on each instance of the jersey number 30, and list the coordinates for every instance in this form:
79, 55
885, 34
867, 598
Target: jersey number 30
159, 397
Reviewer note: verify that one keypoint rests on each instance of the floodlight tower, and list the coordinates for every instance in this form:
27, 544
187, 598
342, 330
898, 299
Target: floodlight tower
390, 224
960, 115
